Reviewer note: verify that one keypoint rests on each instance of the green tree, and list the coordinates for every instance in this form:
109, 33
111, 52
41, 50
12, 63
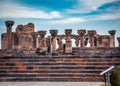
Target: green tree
115, 77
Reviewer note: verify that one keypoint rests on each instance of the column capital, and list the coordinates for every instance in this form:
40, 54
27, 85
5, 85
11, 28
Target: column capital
81, 32
42, 32
34, 34
53, 32
91, 33
118, 38
112, 32
68, 32
9, 23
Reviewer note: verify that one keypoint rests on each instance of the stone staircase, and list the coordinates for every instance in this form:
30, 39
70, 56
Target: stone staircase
55, 68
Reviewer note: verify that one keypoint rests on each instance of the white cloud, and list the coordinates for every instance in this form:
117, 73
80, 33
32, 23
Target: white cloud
72, 20
86, 6
105, 16
68, 20
108, 17
11, 10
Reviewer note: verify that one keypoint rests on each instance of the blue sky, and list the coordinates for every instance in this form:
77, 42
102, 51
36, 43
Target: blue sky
99, 15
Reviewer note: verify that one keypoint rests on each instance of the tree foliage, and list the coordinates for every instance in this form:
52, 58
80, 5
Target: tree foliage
115, 77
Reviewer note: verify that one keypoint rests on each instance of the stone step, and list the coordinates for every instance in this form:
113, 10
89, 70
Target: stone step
58, 63
50, 75
59, 79
58, 67
53, 71
69, 68
62, 58
12, 62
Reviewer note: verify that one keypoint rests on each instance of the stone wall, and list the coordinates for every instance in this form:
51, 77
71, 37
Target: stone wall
89, 52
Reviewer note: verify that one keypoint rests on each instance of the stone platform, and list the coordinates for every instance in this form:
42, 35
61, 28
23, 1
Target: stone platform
61, 68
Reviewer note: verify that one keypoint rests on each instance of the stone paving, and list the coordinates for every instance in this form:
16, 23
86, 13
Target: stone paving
51, 83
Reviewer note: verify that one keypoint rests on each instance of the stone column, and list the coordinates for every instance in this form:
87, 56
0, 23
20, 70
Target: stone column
118, 38
35, 40
105, 41
99, 42
60, 43
9, 25
112, 37
77, 43
68, 41
91, 34
42, 39
53, 39
81, 35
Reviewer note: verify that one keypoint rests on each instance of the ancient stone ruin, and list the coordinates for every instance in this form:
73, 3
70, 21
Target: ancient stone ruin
27, 55
26, 38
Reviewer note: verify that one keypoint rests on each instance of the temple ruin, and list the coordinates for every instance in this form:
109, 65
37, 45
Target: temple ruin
27, 55
26, 38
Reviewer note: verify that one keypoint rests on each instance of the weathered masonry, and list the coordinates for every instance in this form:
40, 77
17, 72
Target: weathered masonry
27, 55
25, 37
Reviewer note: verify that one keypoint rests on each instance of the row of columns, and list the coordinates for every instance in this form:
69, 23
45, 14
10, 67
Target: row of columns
68, 36
91, 34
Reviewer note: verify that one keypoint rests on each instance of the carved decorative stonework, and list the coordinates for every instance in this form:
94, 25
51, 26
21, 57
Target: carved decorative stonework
34, 34
30, 25
9, 24
25, 29
53, 32
112, 32
81, 32
68, 32
42, 33
91, 33
19, 29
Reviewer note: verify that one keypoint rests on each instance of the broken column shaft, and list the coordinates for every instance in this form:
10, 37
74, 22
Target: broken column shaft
53, 39
81, 34
9, 25
68, 45
42, 39
91, 34
112, 37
